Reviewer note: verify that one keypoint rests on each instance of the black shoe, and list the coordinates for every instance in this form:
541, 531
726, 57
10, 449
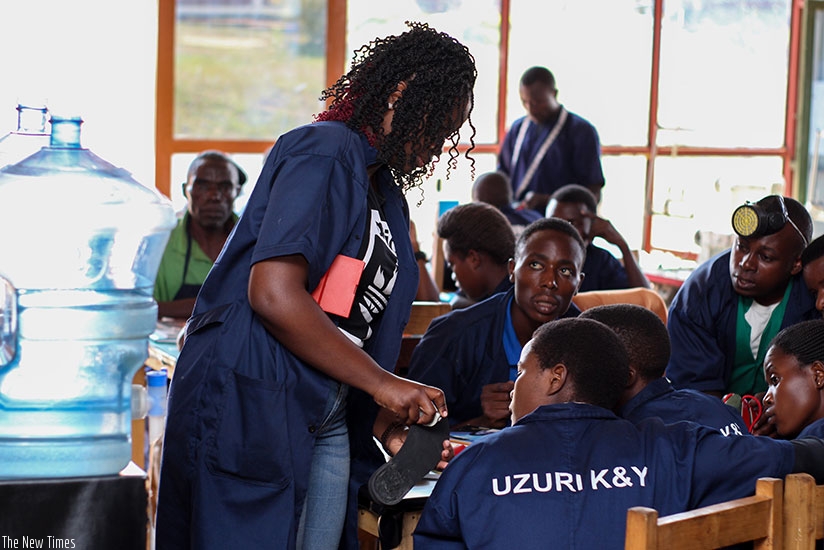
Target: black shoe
419, 454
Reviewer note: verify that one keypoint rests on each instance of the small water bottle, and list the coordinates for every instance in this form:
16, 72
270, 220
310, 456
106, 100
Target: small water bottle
156, 387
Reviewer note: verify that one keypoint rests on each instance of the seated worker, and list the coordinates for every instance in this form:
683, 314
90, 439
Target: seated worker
568, 469
794, 369
812, 263
212, 185
648, 392
478, 243
727, 311
577, 205
471, 354
495, 188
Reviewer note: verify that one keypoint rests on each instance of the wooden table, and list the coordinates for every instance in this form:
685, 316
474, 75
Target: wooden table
383, 522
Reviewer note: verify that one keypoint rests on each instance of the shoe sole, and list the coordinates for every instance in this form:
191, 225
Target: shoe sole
419, 454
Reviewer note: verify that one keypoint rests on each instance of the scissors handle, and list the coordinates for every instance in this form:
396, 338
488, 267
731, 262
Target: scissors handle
751, 410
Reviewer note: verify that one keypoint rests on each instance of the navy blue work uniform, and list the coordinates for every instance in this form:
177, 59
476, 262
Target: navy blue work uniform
814, 429
520, 216
463, 351
574, 157
243, 409
660, 400
602, 271
701, 325
565, 475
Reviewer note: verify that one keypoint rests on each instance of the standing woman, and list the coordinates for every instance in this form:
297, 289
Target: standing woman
256, 453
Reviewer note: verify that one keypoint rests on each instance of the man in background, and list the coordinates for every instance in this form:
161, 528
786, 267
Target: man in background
213, 183
550, 147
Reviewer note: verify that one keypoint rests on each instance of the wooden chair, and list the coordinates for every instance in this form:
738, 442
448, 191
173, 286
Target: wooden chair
757, 518
644, 297
422, 314
803, 512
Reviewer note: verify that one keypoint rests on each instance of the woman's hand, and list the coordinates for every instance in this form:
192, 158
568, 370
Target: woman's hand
495, 400
398, 437
412, 403
277, 293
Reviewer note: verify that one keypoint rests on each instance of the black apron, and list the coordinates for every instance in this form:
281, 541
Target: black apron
187, 290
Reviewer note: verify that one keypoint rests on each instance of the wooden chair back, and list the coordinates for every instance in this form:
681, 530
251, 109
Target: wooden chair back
803, 512
422, 314
644, 297
757, 518
419, 319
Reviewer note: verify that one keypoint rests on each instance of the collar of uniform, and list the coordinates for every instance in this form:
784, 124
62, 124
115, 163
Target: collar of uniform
653, 390
567, 411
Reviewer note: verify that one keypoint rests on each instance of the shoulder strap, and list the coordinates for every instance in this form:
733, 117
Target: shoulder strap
536, 160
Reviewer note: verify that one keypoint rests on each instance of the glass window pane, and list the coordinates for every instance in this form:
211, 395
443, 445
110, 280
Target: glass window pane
475, 23
700, 193
247, 71
815, 167
724, 73
601, 64
622, 200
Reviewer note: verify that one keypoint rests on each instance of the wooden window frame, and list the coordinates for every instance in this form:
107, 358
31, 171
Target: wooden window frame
166, 145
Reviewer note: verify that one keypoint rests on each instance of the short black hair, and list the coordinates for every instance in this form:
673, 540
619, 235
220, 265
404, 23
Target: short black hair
592, 353
478, 226
578, 194
549, 224
801, 217
214, 154
813, 251
797, 214
494, 188
804, 341
540, 75
642, 332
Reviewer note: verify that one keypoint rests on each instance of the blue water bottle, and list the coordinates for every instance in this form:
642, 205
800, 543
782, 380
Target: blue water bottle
80, 244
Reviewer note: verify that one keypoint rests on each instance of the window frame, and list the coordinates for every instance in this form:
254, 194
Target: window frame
166, 145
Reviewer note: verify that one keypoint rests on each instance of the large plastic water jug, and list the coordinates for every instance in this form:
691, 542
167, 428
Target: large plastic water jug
80, 245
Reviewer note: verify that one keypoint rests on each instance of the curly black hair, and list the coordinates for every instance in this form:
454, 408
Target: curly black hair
439, 73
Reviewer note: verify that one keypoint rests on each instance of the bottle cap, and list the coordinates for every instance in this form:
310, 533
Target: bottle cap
156, 378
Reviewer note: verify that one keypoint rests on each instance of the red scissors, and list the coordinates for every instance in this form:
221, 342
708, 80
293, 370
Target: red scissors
751, 409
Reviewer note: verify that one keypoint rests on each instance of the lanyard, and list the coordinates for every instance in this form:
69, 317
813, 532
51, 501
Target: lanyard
536, 160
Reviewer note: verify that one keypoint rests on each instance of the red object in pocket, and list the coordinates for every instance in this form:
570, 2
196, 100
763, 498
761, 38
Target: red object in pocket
335, 292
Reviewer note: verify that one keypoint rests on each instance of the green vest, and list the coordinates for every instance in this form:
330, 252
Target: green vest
747, 374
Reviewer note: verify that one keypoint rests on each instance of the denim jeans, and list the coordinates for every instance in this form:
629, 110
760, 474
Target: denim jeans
324, 511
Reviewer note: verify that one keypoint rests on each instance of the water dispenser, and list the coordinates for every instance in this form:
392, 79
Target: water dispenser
80, 244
